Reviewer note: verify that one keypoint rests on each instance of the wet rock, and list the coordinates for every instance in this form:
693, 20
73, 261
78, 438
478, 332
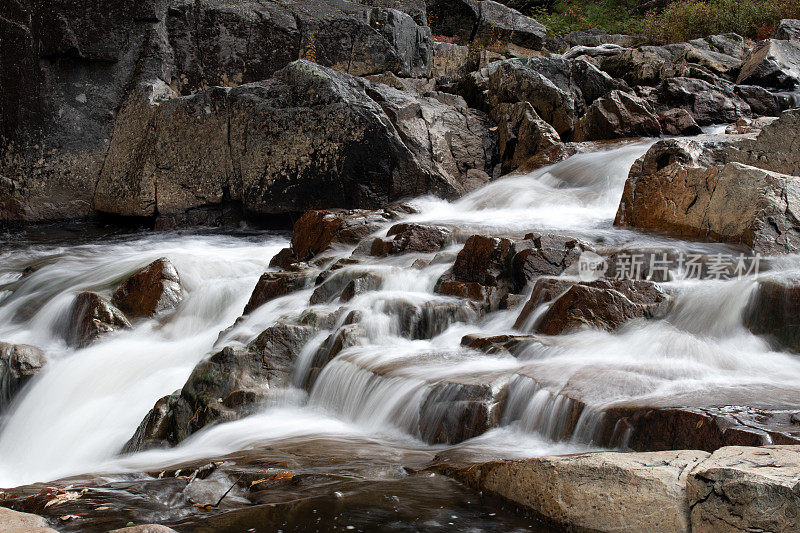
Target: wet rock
455, 412
333, 285
773, 311
90, 317
707, 103
227, 386
604, 304
18, 364
406, 238
498, 344
679, 122
523, 134
347, 336
653, 427
788, 30
485, 260
617, 115
746, 489
761, 101
485, 21
547, 255
640, 492
273, 285
364, 283
773, 63
152, 290
316, 231
17, 522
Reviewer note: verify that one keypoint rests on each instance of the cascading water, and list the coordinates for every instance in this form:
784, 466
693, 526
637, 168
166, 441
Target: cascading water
77, 414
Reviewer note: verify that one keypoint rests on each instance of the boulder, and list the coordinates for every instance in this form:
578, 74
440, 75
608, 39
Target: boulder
150, 291
730, 44
485, 21
450, 62
543, 255
617, 115
707, 103
316, 231
454, 412
251, 145
227, 386
672, 190
522, 134
762, 102
90, 317
18, 364
746, 489
273, 285
678, 121
773, 63
645, 65
773, 311
406, 238
17, 522
604, 304
788, 30
68, 70
601, 491
365, 283
484, 260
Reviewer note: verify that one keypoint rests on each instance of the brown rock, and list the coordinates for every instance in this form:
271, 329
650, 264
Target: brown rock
315, 231
605, 304
547, 255
91, 316
273, 285
154, 289
411, 238
774, 311
484, 260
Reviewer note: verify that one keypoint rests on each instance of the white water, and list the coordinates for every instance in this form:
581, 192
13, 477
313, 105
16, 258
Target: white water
77, 414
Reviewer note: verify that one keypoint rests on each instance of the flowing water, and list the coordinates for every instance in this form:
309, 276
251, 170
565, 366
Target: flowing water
75, 416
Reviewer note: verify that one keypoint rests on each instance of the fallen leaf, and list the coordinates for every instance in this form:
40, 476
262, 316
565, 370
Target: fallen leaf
101, 508
256, 482
68, 517
282, 475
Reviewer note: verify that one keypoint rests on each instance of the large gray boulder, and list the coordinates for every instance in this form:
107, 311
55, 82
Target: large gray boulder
307, 138
788, 30
617, 115
775, 64
707, 103
67, 69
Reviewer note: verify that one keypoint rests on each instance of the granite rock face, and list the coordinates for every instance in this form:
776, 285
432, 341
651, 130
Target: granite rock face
307, 138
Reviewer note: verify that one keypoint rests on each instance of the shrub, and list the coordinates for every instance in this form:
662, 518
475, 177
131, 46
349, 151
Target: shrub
689, 19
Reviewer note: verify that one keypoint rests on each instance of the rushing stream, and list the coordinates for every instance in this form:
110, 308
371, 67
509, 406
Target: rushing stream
76, 415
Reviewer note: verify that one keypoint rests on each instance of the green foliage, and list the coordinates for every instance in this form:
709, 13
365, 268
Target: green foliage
612, 16
680, 21
689, 19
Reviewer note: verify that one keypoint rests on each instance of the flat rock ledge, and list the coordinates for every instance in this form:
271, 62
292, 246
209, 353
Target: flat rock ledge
734, 489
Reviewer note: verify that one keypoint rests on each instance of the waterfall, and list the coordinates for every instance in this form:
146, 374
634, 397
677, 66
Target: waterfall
407, 361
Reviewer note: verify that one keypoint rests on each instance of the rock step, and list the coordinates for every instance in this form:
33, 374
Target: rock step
733, 489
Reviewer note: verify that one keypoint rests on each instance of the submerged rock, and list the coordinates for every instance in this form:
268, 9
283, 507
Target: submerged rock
150, 291
90, 317
227, 386
18, 364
